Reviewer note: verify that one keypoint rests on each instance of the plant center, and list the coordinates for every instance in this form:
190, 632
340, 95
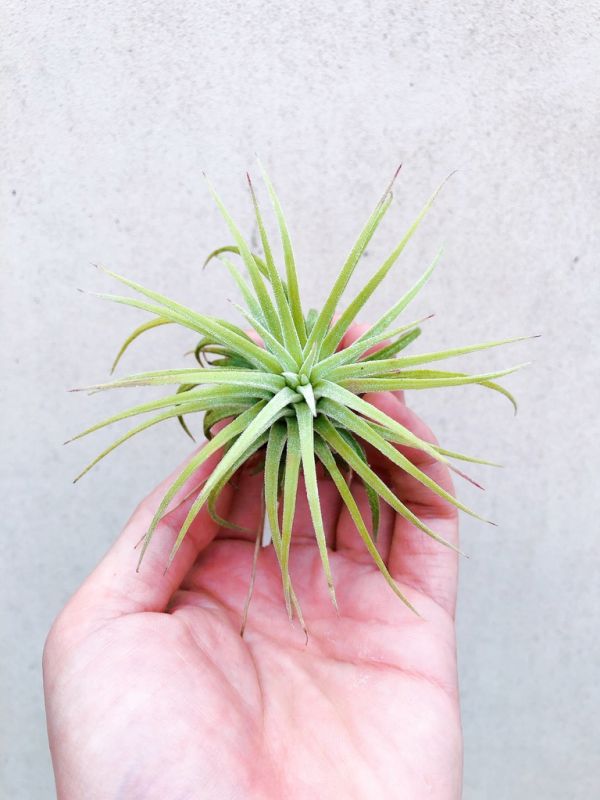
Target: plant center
301, 384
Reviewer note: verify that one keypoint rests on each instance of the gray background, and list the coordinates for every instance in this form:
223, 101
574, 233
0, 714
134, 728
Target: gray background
112, 111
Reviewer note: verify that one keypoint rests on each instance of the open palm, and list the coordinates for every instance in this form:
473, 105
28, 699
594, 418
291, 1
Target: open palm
152, 693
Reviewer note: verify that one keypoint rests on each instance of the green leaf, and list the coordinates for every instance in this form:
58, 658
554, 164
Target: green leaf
275, 447
305, 429
231, 248
317, 335
225, 435
290, 490
220, 413
262, 295
214, 495
393, 437
309, 397
362, 428
355, 351
230, 359
332, 437
372, 496
422, 379
492, 385
231, 377
189, 407
183, 423
345, 398
285, 359
384, 367
266, 417
290, 264
462, 457
386, 320
245, 290
185, 387
290, 334
205, 397
328, 461
225, 333
186, 314
153, 323
311, 318
335, 335
394, 347
273, 410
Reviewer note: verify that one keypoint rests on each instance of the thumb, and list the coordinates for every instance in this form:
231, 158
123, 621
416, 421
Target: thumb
115, 587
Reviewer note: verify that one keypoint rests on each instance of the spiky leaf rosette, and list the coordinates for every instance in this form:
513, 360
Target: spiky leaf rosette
297, 399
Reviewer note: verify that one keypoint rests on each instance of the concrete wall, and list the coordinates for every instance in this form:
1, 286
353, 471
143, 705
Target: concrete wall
113, 109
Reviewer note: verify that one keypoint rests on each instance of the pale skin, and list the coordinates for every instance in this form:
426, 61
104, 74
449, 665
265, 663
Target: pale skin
152, 693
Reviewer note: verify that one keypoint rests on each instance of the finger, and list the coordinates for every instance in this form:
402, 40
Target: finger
356, 330
415, 558
116, 588
348, 539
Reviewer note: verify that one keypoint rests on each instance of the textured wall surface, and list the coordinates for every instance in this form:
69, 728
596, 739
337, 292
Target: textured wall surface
111, 112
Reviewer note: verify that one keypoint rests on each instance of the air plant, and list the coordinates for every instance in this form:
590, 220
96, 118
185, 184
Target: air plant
297, 399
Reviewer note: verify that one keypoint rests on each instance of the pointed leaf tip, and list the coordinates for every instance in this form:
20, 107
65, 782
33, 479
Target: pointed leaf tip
466, 477
309, 396
388, 191
333, 598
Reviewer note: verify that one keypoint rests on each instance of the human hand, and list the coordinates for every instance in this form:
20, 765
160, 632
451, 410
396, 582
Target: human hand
152, 693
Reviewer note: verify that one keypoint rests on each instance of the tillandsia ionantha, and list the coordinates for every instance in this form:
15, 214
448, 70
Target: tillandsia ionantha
297, 399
